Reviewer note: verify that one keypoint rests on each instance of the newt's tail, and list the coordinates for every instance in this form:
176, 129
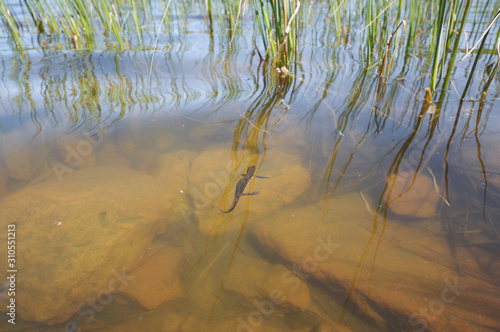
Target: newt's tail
218, 208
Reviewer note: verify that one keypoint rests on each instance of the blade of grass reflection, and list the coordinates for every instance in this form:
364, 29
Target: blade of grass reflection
212, 243
392, 173
481, 161
343, 120
448, 147
493, 74
382, 210
497, 235
236, 245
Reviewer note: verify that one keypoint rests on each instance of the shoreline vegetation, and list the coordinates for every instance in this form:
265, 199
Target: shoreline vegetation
443, 32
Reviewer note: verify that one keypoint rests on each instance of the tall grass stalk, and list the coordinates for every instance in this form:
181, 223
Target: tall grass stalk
482, 39
70, 23
80, 20
373, 12
47, 16
438, 31
36, 14
137, 23
12, 26
471, 74
208, 5
387, 49
451, 61
414, 20
284, 40
492, 74
277, 23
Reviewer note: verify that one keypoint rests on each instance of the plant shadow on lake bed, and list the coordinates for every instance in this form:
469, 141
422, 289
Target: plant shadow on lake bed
380, 211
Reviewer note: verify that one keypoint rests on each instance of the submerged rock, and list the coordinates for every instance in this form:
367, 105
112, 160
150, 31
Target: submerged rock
125, 144
174, 167
203, 133
22, 155
271, 286
172, 171
143, 160
174, 321
108, 154
75, 152
413, 199
164, 140
397, 275
79, 238
157, 279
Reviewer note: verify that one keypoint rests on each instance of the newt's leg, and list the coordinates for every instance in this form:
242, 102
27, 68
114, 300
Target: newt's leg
250, 194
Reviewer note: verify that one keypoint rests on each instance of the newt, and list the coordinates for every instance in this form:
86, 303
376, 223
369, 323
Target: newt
241, 186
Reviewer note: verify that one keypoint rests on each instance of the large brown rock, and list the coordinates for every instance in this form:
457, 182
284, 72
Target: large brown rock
172, 171
108, 154
174, 167
413, 196
75, 152
203, 133
400, 276
143, 160
108, 217
23, 155
164, 139
157, 279
269, 286
172, 321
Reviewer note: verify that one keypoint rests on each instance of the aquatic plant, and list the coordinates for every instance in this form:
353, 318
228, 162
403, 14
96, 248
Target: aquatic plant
435, 30
82, 22
277, 24
12, 25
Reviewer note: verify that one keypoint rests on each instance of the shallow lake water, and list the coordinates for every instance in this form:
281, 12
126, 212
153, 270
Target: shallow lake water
377, 210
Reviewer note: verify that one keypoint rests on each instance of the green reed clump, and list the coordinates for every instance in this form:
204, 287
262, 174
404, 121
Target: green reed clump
12, 26
434, 30
438, 32
81, 21
451, 61
277, 24
76, 22
108, 13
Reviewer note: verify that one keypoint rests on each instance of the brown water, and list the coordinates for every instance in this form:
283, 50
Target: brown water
380, 212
